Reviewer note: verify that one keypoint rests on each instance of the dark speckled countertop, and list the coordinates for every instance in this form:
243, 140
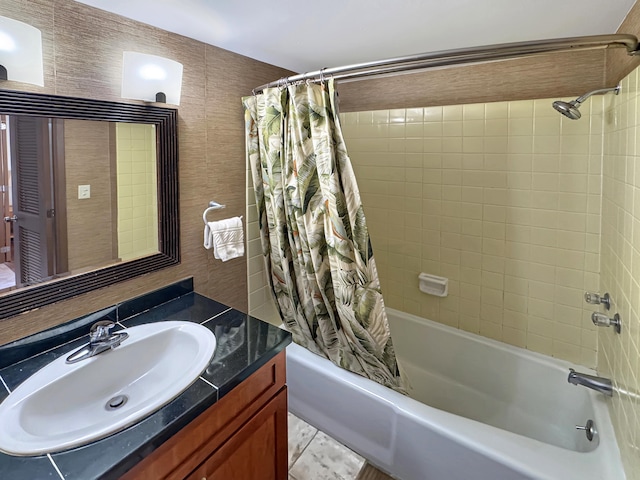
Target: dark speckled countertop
244, 344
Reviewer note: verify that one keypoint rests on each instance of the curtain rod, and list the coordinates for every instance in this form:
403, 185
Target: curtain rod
459, 56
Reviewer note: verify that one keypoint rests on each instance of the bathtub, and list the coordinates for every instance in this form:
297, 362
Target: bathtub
481, 409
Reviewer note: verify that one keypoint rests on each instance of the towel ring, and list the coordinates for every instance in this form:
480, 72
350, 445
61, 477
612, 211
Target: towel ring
212, 206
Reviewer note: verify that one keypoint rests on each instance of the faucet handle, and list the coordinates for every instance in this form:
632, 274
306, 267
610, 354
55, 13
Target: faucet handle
596, 299
602, 320
100, 330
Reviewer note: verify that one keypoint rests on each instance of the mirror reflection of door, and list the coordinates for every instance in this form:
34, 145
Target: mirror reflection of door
35, 162
7, 275
77, 195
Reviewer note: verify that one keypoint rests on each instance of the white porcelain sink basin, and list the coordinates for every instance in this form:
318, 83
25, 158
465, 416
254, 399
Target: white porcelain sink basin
63, 406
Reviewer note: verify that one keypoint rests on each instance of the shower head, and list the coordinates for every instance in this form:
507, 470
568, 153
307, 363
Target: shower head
570, 109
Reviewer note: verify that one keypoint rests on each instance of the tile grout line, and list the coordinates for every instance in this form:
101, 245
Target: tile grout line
334, 441
215, 316
55, 466
302, 451
5, 385
209, 383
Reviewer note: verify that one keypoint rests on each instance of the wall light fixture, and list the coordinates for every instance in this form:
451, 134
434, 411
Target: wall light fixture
20, 52
151, 78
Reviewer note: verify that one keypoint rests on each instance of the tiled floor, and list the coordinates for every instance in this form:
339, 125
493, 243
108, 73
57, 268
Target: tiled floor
313, 455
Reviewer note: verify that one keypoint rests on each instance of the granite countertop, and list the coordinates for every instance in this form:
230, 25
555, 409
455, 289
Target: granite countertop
244, 344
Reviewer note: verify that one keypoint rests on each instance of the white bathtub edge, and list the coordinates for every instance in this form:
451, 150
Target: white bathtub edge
459, 430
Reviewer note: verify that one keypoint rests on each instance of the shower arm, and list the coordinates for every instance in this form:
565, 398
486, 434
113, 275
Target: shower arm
460, 56
582, 98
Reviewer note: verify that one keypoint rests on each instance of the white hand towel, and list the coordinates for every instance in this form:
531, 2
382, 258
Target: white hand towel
226, 237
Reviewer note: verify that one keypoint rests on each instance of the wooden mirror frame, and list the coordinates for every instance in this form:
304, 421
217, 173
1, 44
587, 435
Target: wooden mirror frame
165, 120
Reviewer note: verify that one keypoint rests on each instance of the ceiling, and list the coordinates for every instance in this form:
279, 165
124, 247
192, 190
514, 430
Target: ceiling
305, 36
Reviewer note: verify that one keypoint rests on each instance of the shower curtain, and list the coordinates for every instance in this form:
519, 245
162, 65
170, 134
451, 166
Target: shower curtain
314, 236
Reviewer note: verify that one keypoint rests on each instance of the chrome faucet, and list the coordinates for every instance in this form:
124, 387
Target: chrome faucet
599, 384
100, 340
603, 320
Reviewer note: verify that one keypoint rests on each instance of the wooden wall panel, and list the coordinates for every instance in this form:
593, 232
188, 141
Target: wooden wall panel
618, 63
226, 183
88, 61
555, 75
563, 74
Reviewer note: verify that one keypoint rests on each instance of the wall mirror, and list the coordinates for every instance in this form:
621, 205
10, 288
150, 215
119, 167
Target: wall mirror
89, 195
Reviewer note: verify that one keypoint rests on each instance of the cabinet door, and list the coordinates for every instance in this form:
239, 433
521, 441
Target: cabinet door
258, 451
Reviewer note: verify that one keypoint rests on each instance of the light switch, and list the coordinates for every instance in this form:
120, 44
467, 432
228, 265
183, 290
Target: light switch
84, 191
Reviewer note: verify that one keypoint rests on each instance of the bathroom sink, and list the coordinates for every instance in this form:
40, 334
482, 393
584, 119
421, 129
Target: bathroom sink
67, 405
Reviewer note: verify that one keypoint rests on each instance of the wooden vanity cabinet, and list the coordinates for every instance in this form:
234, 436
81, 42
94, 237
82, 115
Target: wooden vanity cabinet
251, 452
241, 437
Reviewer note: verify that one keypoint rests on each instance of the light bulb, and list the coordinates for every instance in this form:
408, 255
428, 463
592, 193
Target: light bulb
152, 72
7, 44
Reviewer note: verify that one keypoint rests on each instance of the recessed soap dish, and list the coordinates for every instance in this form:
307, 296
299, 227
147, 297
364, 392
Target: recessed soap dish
433, 284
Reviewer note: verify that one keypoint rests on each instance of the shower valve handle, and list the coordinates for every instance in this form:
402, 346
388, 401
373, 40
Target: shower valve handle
602, 320
596, 299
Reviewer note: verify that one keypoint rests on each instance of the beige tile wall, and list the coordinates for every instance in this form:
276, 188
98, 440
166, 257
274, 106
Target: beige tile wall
261, 302
512, 215
137, 190
619, 355
501, 198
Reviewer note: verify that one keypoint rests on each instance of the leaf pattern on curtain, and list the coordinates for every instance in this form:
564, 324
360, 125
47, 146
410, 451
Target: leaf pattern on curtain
313, 230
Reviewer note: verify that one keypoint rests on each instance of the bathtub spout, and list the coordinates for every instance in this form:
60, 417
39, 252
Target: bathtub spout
599, 384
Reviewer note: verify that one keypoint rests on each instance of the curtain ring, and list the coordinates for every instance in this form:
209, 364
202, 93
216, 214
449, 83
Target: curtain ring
322, 75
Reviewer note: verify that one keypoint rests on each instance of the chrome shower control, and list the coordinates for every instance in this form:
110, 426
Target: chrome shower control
596, 299
602, 320
589, 429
